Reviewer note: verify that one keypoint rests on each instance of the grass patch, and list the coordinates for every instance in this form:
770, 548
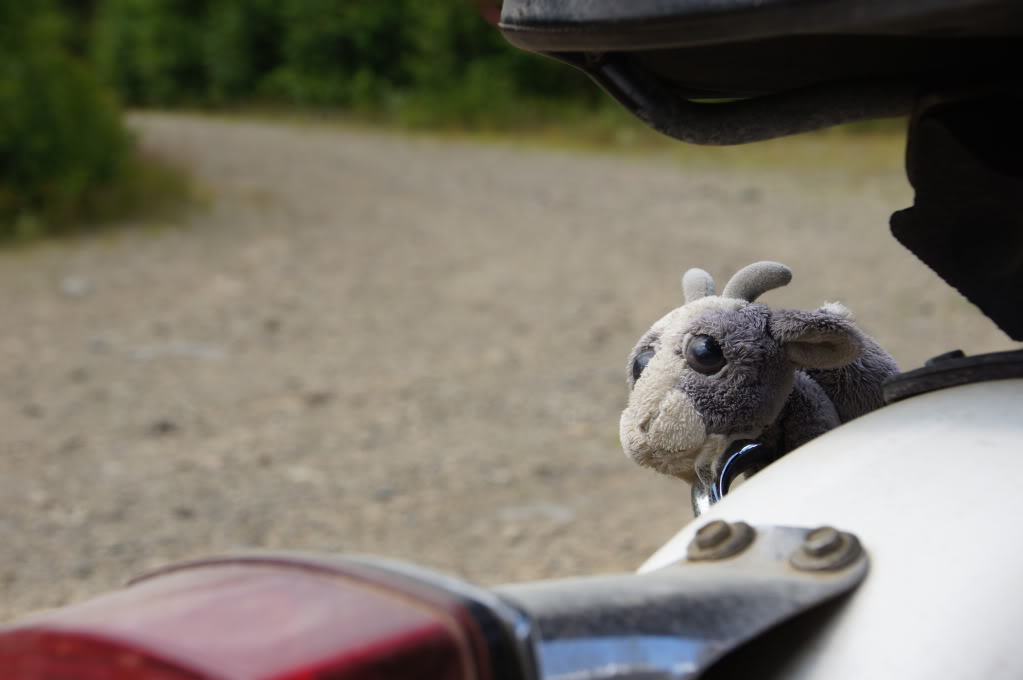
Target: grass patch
148, 186
863, 147
866, 148
604, 128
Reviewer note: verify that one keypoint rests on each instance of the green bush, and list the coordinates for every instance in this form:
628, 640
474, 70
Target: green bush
343, 54
150, 51
241, 44
426, 63
465, 74
60, 134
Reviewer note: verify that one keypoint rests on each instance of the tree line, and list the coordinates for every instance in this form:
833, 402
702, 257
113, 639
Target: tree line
66, 66
437, 59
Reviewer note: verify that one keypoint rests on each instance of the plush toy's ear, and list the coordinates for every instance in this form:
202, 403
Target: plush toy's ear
816, 339
696, 284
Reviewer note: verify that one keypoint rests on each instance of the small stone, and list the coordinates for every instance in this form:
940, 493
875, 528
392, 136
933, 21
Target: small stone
99, 345
272, 326
184, 512
40, 499
75, 286
383, 494
599, 337
750, 195
544, 470
513, 534
318, 398
71, 444
499, 477
33, 411
163, 427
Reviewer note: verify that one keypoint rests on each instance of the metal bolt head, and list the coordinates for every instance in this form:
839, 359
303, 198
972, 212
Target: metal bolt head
713, 534
826, 549
821, 542
719, 539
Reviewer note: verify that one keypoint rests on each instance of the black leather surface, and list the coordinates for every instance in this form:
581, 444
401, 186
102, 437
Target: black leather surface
587, 25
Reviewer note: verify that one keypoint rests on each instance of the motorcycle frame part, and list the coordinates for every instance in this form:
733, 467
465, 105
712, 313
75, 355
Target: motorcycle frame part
659, 105
966, 222
932, 481
677, 621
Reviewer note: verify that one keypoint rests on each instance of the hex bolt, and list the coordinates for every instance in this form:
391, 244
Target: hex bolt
821, 542
713, 534
718, 539
826, 549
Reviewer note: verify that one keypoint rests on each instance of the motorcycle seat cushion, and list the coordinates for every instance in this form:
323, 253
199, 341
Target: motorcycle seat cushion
744, 48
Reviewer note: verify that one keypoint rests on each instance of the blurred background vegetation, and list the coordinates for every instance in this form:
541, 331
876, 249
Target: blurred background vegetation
67, 66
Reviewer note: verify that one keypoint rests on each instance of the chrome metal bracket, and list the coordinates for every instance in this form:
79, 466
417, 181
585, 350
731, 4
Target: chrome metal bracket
676, 622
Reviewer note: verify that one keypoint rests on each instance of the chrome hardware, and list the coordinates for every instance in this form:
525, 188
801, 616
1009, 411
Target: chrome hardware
715, 476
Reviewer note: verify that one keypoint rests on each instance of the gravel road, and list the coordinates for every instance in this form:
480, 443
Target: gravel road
400, 345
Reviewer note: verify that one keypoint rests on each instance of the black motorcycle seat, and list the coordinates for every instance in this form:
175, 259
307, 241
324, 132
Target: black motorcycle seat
602, 25
745, 48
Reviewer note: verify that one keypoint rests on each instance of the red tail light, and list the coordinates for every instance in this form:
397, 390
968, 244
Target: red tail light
280, 618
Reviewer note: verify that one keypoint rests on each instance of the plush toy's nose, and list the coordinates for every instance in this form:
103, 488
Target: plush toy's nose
668, 421
666, 433
661, 428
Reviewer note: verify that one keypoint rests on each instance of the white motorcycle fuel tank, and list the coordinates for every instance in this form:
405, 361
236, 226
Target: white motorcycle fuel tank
931, 487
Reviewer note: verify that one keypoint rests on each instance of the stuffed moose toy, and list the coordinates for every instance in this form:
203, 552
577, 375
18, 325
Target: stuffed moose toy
723, 368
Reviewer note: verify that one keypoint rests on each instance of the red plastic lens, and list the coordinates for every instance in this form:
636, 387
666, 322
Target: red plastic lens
248, 621
34, 655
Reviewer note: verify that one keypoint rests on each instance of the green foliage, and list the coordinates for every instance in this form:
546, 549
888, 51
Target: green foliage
350, 54
60, 134
150, 51
424, 63
466, 75
241, 45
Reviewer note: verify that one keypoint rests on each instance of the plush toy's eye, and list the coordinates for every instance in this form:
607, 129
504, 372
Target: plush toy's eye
704, 355
640, 363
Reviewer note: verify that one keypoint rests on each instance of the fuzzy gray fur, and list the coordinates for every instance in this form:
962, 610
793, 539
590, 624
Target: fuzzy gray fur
789, 375
696, 284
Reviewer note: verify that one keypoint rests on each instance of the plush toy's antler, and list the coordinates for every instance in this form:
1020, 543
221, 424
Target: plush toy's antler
696, 284
754, 280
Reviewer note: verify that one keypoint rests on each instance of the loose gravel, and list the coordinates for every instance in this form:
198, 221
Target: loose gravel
399, 345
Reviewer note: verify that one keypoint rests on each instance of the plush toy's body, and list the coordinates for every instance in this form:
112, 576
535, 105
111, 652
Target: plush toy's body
724, 368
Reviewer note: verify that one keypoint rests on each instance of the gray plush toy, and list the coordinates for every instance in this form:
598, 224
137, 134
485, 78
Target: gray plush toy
725, 368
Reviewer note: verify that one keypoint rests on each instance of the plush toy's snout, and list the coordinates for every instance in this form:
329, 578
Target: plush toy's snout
660, 428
